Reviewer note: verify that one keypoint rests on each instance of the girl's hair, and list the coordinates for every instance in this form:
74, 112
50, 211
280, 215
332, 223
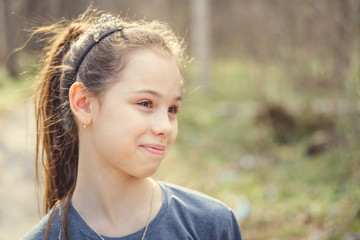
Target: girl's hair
57, 135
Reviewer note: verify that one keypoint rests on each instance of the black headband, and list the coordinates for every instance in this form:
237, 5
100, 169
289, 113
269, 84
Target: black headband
91, 45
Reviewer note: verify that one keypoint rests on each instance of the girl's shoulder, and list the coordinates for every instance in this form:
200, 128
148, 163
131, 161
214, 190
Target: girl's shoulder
196, 214
38, 232
194, 203
193, 199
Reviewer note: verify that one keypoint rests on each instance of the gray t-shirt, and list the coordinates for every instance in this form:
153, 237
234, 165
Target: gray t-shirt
184, 214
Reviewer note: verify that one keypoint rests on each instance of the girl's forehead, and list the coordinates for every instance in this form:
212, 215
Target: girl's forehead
149, 55
147, 67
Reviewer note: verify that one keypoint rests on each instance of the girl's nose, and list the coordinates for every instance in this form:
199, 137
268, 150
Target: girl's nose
161, 124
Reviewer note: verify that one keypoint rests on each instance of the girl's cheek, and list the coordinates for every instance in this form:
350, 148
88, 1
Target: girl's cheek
175, 132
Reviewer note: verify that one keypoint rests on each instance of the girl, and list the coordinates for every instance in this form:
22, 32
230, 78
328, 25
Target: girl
106, 118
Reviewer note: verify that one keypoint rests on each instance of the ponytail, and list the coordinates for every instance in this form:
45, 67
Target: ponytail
59, 153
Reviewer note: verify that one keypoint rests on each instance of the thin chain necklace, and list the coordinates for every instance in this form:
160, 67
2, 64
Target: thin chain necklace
147, 223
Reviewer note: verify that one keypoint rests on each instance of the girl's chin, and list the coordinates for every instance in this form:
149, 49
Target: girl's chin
146, 172
150, 172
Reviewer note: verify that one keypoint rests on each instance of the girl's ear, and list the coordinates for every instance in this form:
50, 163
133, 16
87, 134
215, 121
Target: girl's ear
80, 103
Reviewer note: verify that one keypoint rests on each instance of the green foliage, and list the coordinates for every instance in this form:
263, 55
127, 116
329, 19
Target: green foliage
14, 90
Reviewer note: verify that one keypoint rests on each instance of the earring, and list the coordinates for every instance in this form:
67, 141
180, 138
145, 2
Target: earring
84, 125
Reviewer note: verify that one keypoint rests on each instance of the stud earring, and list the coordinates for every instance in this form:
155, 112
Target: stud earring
84, 126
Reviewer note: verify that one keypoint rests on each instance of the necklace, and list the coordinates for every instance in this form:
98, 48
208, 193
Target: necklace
147, 222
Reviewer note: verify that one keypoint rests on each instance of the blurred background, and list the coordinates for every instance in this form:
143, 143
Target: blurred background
269, 123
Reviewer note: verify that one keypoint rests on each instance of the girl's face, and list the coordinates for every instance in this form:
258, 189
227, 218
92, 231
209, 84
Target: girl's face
135, 123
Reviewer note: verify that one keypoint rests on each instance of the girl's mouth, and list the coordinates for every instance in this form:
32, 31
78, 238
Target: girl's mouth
154, 149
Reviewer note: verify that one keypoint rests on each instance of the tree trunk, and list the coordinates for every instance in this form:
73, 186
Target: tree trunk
11, 59
200, 36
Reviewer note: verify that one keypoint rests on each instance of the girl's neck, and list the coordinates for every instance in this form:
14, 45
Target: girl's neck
114, 204
109, 193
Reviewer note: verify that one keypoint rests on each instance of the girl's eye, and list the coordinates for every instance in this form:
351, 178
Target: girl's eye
173, 110
147, 104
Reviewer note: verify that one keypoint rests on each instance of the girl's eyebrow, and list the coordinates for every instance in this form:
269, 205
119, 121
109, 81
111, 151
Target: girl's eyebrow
156, 94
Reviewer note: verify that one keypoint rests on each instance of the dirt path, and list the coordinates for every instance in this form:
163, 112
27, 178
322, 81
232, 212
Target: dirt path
18, 204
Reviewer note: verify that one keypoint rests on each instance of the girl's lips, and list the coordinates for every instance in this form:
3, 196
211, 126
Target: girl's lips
154, 149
